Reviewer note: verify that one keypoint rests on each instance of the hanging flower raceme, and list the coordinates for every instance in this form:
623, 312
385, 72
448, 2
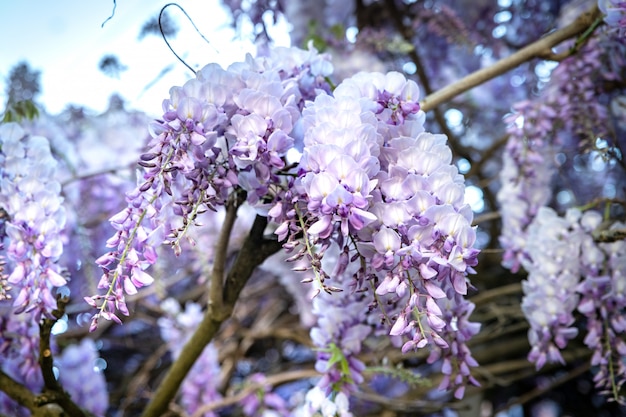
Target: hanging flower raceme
223, 139
374, 185
340, 330
569, 270
550, 290
603, 303
371, 187
526, 176
34, 220
422, 248
19, 350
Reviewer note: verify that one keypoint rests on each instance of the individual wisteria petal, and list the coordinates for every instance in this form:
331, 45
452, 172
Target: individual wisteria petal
614, 13
317, 402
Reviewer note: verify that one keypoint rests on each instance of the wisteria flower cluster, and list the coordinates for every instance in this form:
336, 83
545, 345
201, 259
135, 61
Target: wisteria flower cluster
567, 271
35, 217
340, 330
223, 138
526, 176
384, 193
19, 349
550, 290
544, 134
349, 178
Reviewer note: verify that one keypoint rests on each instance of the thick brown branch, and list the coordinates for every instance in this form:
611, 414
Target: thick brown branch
221, 253
255, 250
534, 50
53, 391
17, 391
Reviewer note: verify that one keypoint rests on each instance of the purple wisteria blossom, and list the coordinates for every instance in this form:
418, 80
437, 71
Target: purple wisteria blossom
381, 197
30, 197
568, 271
223, 139
339, 333
614, 13
4, 283
546, 132
200, 385
550, 296
422, 247
263, 402
82, 379
603, 302
526, 176
19, 350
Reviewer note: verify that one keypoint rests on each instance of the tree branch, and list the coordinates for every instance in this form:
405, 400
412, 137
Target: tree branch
216, 291
17, 391
534, 50
255, 250
531, 395
53, 391
269, 381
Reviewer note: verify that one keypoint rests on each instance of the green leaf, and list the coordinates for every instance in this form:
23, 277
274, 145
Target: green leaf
16, 112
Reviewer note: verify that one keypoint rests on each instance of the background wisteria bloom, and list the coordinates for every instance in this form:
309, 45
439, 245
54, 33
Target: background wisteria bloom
346, 228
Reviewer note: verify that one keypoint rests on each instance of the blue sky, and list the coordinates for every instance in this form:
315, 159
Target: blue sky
65, 40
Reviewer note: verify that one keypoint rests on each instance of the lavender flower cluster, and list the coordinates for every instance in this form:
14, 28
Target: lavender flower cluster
353, 185
35, 217
526, 176
569, 270
224, 136
383, 194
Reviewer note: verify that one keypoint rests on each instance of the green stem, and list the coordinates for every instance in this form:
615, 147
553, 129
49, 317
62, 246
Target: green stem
221, 252
309, 249
611, 369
